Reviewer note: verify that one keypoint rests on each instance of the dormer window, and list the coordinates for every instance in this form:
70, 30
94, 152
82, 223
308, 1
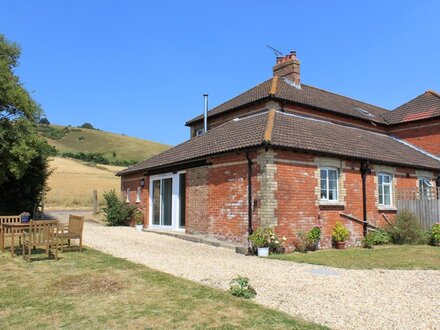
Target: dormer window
199, 132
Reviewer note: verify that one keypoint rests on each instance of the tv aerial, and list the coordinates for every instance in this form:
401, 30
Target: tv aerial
275, 51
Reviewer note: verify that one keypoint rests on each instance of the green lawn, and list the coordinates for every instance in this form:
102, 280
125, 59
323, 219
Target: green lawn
382, 257
95, 290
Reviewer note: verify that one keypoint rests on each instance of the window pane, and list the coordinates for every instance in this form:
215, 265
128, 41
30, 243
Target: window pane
323, 174
167, 197
380, 195
333, 184
156, 202
387, 200
333, 174
380, 178
333, 195
323, 184
386, 179
323, 194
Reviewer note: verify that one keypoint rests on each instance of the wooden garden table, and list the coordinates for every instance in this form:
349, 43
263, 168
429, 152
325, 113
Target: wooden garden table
17, 227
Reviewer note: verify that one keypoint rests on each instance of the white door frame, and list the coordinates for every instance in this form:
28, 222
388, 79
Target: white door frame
175, 202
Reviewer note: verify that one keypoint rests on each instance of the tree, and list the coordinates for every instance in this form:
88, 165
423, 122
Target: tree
23, 154
44, 121
87, 125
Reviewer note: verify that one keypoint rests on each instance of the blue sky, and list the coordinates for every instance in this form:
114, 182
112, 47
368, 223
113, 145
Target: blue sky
140, 67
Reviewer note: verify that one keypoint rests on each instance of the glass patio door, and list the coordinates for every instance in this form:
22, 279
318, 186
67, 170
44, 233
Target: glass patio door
162, 202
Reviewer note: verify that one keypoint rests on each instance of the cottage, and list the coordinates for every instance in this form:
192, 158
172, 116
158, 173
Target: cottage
290, 156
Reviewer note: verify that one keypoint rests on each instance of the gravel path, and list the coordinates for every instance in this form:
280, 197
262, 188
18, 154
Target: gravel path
339, 298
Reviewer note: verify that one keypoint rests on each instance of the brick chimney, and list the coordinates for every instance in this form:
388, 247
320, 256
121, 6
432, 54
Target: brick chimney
288, 67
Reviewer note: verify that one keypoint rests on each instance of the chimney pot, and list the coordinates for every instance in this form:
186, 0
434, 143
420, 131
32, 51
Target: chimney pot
288, 66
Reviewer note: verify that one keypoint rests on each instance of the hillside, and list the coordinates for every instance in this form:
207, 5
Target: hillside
113, 147
72, 183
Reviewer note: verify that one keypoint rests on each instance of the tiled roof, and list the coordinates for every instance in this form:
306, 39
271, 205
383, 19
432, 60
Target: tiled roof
236, 134
423, 106
295, 132
307, 96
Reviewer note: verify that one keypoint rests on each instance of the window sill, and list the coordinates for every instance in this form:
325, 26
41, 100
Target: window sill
386, 208
332, 203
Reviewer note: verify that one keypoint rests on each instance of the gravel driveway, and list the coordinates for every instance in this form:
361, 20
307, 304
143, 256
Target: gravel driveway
339, 298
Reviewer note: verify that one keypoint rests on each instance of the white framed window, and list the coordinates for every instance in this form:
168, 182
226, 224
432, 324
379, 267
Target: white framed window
127, 198
385, 185
138, 195
425, 187
329, 184
199, 131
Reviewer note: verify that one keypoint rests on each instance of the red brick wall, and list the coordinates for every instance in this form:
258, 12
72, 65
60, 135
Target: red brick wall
197, 194
424, 134
298, 209
133, 181
217, 203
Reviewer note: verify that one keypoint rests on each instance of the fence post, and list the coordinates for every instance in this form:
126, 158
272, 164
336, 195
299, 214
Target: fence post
95, 202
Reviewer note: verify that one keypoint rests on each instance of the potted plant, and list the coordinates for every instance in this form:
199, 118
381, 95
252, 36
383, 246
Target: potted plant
313, 238
340, 235
138, 218
260, 239
435, 234
25, 216
276, 245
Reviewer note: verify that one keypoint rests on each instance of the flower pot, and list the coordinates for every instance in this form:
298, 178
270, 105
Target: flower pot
139, 227
340, 245
263, 251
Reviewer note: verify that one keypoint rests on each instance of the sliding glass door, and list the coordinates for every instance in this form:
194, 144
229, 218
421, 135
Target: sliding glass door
162, 200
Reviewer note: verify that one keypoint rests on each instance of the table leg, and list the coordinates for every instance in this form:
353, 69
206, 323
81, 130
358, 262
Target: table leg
12, 242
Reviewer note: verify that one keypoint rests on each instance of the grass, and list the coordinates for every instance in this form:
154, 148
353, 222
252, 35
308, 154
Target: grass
72, 182
381, 257
111, 145
93, 290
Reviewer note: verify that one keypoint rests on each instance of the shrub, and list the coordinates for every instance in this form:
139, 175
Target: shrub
407, 229
367, 242
240, 287
313, 237
380, 237
87, 125
117, 212
435, 234
261, 237
300, 242
340, 233
138, 217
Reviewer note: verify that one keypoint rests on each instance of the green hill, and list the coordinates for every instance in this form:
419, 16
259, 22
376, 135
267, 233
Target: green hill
114, 148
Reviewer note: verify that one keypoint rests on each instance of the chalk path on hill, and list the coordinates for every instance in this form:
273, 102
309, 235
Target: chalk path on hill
338, 298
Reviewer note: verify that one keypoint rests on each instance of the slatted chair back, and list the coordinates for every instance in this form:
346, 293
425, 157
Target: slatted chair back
8, 219
43, 232
76, 224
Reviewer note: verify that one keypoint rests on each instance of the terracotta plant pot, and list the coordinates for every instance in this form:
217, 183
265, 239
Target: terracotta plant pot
340, 245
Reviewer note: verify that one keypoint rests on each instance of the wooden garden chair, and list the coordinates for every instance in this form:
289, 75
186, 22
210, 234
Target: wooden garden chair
41, 233
6, 232
74, 230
